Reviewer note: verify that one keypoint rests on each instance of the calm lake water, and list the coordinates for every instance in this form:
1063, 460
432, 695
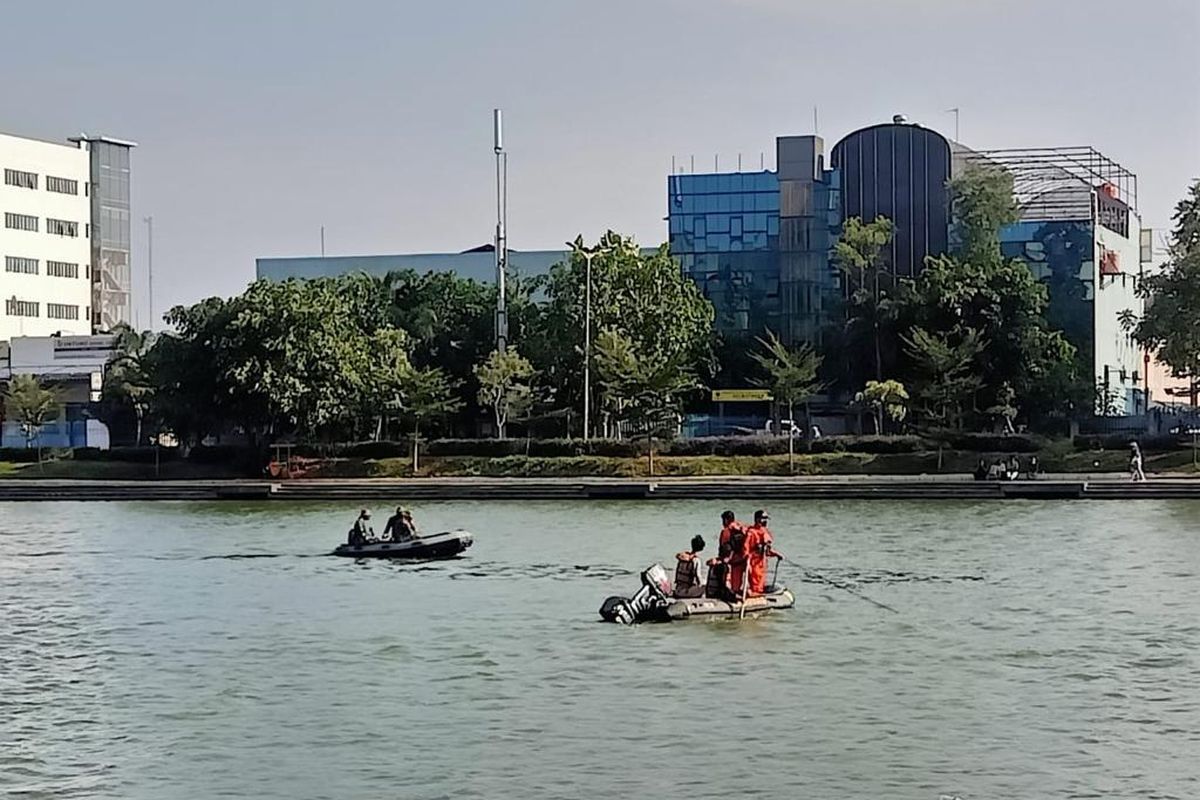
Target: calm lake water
161, 650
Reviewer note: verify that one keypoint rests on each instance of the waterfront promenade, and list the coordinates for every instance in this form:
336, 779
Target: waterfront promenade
1108, 486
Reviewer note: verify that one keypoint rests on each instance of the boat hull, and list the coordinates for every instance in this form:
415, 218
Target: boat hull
681, 608
437, 545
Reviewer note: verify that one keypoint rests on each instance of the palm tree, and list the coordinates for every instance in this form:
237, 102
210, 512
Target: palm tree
127, 377
792, 378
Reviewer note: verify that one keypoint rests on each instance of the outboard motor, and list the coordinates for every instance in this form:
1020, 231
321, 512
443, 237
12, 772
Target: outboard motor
655, 591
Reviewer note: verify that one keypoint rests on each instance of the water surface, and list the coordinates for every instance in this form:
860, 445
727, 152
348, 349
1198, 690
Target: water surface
187, 650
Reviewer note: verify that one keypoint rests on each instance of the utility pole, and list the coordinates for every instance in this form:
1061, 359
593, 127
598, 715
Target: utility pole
501, 233
150, 268
322, 241
954, 111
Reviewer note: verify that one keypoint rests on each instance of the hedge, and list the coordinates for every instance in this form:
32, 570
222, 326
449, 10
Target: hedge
21, 455
1119, 441
128, 455
992, 442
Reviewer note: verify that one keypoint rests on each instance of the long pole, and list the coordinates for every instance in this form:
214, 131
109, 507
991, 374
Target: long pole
501, 234
150, 267
587, 346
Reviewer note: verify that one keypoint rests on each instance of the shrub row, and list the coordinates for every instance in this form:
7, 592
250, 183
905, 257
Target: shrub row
23, 455
251, 459
1117, 441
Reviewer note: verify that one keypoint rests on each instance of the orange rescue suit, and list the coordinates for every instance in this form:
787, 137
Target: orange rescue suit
759, 545
732, 549
731, 554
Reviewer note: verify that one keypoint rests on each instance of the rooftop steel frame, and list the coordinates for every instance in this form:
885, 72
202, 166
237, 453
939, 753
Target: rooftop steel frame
1058, 182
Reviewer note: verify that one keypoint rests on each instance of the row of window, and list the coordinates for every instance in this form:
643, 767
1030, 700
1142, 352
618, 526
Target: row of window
29, 180
29, 308
58, 227
54, 269
703, 224
744, 201
724, 182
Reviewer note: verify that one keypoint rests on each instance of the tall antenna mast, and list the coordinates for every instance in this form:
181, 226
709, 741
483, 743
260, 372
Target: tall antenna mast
501, 235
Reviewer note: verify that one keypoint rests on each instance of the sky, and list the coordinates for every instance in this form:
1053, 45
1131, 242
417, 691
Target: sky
259, 121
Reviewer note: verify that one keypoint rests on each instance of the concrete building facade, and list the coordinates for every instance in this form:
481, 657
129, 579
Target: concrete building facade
65, 236
45, 245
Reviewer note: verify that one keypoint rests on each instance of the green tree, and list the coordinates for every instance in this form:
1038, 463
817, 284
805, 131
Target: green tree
428, 395
946, 364
385, 378
1004, 410
644, 297
870, 284
983, 202
127, 379
293, 358
190, 397
504, 386
644, 393
1170, 324
977, 288
31, 406
792, 379
450, 321
885, 397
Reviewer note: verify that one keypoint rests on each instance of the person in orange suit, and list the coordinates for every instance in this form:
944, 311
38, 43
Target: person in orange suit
730, 559
760, 545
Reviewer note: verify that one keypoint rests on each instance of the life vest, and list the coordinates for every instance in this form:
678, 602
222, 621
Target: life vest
687, 573
718, 579
724, 541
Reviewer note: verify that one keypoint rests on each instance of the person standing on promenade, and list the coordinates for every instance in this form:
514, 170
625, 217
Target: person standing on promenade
1136, 472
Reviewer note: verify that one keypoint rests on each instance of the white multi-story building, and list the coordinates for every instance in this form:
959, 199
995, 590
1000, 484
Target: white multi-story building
45, 238
64, 238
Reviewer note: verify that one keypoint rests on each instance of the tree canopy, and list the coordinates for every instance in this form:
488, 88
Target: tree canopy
1170, 325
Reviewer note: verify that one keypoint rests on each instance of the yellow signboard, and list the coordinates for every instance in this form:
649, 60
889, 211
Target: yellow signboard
740, 395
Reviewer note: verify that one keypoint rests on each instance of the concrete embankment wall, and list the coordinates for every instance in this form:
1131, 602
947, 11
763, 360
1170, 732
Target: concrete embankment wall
766, 489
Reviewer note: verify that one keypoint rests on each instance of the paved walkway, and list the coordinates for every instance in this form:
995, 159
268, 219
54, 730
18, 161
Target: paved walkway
887, 487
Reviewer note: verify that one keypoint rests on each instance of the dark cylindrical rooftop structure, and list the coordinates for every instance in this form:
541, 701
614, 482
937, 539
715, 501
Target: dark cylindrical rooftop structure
899, 171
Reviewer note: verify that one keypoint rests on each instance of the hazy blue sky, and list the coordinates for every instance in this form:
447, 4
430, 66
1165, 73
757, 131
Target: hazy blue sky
259, 121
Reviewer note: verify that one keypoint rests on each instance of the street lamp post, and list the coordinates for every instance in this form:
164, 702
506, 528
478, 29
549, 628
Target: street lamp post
588, 255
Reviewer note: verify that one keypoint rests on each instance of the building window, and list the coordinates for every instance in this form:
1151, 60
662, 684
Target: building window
61, 185
61, 311
20, 222
62, 227
28, 266
21, 308
15, 177
62, 269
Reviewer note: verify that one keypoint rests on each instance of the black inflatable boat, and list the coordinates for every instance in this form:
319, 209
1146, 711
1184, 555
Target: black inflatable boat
436, 545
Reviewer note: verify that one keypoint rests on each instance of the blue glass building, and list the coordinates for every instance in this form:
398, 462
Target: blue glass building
757, 243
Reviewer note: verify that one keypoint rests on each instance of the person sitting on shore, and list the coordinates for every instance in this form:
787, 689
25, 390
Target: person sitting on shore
1014, 468
981, 470
362, 532
687, 570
